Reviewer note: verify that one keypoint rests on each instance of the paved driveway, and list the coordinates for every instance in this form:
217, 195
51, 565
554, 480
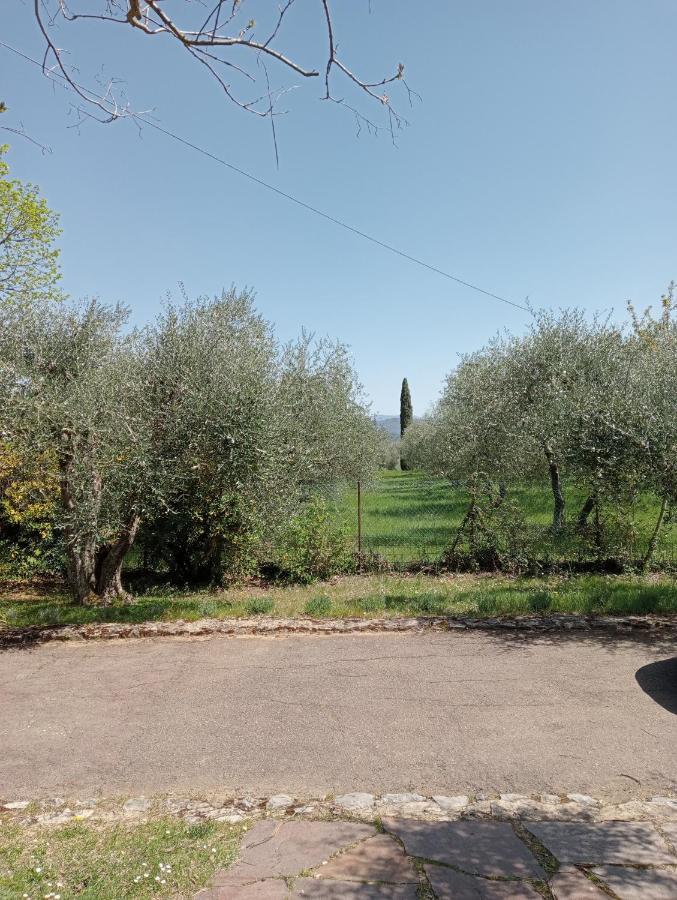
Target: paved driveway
436, 713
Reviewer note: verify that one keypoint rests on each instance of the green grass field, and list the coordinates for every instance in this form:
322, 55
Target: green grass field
410, 517
367, 596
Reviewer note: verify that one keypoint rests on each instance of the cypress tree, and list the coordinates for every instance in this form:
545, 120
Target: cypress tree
406, 415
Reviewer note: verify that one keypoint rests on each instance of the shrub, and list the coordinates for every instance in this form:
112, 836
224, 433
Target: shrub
314, 545
492, 536
27, 558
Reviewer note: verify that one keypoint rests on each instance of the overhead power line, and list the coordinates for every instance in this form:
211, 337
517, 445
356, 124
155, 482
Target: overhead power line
307, 206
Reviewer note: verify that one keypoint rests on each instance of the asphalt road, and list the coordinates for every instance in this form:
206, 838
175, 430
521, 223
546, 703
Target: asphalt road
437, 713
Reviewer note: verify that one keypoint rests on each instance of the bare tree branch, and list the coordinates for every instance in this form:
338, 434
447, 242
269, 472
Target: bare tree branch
213, 40
21, 132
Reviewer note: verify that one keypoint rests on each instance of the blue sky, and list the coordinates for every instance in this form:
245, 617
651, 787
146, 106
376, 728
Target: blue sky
540, 163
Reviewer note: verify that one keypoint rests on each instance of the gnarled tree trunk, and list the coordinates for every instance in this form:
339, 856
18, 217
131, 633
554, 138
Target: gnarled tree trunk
108, 585
94, 573
80, 547
80, 566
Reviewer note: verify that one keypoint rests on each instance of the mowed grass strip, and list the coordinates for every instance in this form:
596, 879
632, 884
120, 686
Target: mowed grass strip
161, 858
366, 596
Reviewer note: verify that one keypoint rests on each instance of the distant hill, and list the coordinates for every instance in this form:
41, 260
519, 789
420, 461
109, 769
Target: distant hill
391, 424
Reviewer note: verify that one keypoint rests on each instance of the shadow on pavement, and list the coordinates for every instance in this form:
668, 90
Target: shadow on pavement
656, 642
659, 681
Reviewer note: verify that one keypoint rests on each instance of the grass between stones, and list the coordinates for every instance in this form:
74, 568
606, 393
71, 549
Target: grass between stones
161, 858
367, 596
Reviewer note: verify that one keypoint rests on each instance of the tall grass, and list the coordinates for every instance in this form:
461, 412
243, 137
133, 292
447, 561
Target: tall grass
368, 596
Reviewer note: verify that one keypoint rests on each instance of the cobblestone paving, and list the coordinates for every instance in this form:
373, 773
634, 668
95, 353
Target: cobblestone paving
461, 860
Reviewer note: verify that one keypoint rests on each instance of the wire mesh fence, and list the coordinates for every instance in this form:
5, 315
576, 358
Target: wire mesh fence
407, 519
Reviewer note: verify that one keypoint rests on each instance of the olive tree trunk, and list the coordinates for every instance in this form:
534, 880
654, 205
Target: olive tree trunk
94, 572
559, 514
80, 544
108, 583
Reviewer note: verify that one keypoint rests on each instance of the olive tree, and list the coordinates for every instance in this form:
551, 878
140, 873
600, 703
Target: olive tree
629, 429
246, 428
581, 400
516, 408
328, 433
655, 386
200, 429
73, 390
215, 431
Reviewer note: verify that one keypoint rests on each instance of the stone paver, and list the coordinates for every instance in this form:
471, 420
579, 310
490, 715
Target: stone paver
279, 801
485, 848
378, 858
274, 848
401, 799
273, 889
606, 842
356, 801
136, 806
451, 885
476, 859
571, 884
352, 890
639, 884
452, 804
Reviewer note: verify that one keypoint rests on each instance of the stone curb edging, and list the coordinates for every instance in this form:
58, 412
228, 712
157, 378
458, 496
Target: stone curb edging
262, 625
357, 805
